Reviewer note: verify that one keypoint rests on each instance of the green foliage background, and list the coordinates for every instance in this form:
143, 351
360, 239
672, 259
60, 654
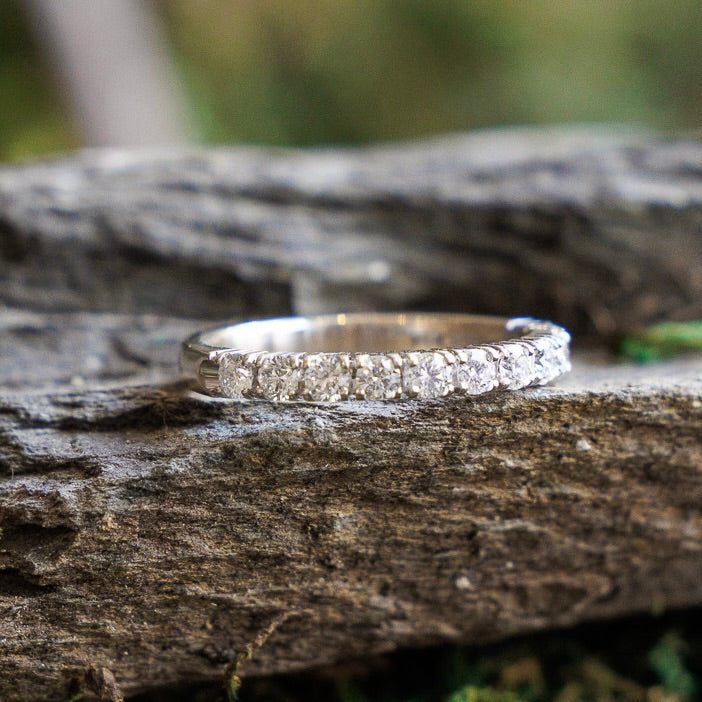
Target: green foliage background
32, 118
329, 71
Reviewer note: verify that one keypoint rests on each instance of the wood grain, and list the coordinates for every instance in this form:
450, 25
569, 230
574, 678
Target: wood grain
149, 535
600, 231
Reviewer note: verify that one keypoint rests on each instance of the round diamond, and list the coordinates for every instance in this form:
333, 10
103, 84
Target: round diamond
236, 375
516, 367
543, 365
552, 358
376, 377
476, 374
544, 361
426, 374
326, 378
279, 377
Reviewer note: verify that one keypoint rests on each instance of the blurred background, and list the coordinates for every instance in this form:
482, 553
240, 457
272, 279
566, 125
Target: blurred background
96, 72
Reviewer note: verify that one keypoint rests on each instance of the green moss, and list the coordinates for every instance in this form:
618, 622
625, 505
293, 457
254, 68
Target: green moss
232, 681
662, 341
667, 658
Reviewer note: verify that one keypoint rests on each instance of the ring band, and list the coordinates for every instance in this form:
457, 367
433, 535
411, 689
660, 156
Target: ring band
378, 356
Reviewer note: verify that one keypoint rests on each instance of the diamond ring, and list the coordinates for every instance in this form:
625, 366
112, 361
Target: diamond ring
377, 356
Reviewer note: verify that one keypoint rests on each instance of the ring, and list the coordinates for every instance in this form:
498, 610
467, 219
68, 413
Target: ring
378, 356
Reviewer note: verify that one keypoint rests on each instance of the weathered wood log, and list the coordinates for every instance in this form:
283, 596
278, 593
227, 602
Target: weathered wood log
149, 535
598, 232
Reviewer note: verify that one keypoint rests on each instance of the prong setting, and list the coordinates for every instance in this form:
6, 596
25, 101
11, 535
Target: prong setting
539, 356
377, 376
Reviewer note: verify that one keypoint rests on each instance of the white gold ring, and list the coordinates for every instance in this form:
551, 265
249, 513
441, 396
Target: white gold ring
376, 356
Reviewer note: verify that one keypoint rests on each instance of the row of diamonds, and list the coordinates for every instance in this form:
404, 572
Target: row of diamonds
535, 359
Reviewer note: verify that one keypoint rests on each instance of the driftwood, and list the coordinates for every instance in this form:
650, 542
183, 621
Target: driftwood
149, 535
599, 232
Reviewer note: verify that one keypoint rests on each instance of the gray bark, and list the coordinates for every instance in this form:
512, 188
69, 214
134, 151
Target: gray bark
149, 535
597, 231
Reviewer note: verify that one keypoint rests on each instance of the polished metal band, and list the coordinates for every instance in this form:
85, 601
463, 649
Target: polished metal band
378, 356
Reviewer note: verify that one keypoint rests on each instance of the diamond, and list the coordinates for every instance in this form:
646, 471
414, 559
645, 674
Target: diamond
426, 374
544, 362
552, 358
516, 366
236, 375
475, 373
325, 377
561, 359
376, 377
544, 367
279, 377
